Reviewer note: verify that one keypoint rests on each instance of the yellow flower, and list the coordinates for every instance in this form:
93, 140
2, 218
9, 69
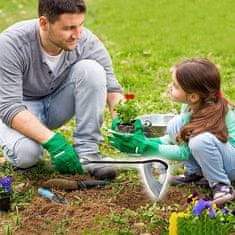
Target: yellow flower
173, 224
194, 201
182, 215
173, 221
214, 206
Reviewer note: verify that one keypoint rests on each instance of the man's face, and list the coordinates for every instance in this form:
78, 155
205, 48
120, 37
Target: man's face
65, 32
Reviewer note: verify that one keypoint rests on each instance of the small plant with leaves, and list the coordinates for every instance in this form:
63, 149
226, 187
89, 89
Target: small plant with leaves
5, 184
202, 217
127, 110
5, 193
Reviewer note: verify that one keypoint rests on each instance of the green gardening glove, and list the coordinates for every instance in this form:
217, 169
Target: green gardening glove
63, 155
138, 127
115, 124
135, 143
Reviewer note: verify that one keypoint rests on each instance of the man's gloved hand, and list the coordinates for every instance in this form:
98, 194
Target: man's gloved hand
63, 155
135, 143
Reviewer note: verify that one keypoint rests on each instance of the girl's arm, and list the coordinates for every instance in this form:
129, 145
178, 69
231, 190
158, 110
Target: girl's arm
165, 139
174, 152
230, 123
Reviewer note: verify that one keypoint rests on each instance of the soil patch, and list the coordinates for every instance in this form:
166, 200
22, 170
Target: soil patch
87, 209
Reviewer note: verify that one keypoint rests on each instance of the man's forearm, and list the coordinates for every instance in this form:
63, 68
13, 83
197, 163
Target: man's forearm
113, 98
29, 125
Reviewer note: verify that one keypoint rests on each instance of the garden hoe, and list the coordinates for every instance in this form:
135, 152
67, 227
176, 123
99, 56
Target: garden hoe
154, 173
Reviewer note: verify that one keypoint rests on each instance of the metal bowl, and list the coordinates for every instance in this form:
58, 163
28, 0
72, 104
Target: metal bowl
155, 124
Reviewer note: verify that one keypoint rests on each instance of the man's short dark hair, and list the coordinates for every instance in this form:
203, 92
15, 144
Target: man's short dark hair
52, 9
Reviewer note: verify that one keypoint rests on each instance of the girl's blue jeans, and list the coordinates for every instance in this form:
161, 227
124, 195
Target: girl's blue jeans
212, 158
82, 95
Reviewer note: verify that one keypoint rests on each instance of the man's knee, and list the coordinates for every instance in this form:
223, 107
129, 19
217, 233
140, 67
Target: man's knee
89, 73
26, 153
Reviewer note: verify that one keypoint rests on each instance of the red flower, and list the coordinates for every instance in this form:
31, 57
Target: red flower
129, 96
219, 94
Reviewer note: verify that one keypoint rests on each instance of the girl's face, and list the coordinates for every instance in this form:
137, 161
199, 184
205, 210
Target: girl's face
176, 92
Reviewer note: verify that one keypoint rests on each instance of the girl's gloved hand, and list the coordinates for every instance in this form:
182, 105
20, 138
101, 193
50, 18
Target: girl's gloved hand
136, 142
115, 123
63, 155
138, 127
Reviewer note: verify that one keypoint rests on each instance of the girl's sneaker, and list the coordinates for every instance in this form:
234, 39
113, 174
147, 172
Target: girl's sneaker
222, 193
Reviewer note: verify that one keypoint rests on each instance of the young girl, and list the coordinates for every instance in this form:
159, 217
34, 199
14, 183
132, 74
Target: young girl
203, 134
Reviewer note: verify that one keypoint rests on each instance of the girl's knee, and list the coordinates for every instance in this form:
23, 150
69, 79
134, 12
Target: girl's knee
201, 142
27, 153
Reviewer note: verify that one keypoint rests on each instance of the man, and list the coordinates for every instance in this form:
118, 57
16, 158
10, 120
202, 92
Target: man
51, 69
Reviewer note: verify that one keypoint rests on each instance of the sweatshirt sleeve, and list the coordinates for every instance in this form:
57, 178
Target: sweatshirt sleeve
92, 48
174, 152
230, 123
11, 80
165, 139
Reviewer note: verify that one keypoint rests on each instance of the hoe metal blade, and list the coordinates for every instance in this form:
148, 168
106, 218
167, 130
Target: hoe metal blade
154, 175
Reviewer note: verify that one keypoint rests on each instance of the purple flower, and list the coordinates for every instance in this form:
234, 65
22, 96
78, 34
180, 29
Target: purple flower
6, 183
189, 199
195, 195
212, 212
225, 210
207, 197
200, 206
233, 212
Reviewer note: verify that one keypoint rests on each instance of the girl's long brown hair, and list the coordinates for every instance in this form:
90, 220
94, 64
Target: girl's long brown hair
202, 77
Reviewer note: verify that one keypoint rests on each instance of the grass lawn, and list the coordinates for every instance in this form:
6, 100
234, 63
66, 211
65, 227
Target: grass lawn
145, 38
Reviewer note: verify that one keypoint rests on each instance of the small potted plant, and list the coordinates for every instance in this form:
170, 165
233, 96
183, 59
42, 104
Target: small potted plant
5, 193
154, 125
127, 111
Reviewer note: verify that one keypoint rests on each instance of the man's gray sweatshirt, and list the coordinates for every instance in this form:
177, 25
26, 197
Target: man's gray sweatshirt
24, 73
